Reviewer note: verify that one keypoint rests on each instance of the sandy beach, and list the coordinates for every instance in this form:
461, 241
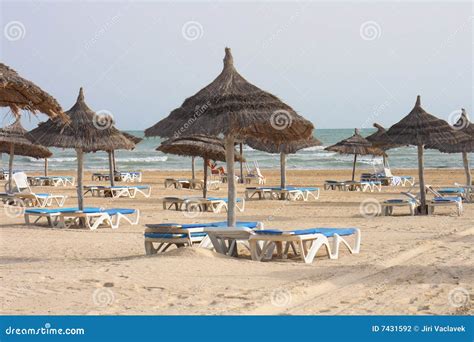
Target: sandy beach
407, 265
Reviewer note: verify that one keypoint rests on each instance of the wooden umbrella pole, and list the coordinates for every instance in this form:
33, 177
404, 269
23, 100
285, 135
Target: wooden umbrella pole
10, 168
422, 180
354, 167
80, 175
465, 160
46, 167
111, 169
241, 150
204, 187
114, 165
229, 149
283, 170
193, 165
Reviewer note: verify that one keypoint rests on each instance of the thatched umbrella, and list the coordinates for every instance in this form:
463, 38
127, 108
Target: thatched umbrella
209, 148
85, 132
356, 145
464, 125
14, 141
283, 150
379, 139
420, 128
232, 107
19, 93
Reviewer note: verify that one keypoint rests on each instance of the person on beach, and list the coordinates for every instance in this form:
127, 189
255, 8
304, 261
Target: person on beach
214, 169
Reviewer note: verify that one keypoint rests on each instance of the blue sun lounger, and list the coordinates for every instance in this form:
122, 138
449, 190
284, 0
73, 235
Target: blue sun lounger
306, 241
168, 234
92, 216
195, 204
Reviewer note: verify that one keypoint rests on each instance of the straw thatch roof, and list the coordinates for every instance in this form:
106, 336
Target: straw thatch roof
422, 128
86, 131
15, 134
133, 138
19, 93
379, 138
466, 126
356, 144
288, 148
231, 105
197, 146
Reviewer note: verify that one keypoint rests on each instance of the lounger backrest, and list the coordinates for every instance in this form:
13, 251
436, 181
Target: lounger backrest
21, 182
387, 172
433, 191
410, 195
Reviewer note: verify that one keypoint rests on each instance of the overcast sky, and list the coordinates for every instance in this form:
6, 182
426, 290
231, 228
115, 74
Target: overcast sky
338, 64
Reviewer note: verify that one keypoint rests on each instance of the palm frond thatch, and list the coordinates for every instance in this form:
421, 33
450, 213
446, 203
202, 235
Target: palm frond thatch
133, 138
230, 105
422, 128
15, 135
21, 94
197, 146
289, 148
85, 130
379, 138
464, 125
356, 144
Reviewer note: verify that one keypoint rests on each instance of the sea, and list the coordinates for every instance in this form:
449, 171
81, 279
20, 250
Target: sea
145, 157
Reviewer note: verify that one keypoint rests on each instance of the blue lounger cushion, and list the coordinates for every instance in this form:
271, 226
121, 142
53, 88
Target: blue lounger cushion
88, 210
447, 199
399, 200
451, 191
172, 236
251, 225
328, 232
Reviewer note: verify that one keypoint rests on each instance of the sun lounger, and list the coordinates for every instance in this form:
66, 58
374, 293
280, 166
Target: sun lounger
178, 183
308, 241
290, 193
117, 191
254, 174
334, 185
93, 217
22, 191
168, 234
51, 181
387, 206
190, 204
469, 191
263, 242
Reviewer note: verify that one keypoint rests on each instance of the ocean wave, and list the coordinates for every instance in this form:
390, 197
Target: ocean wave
143, 160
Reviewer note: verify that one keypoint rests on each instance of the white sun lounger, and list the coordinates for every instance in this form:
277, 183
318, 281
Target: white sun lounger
23, 192
290, 193
93, 217
212, 204
117, 191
